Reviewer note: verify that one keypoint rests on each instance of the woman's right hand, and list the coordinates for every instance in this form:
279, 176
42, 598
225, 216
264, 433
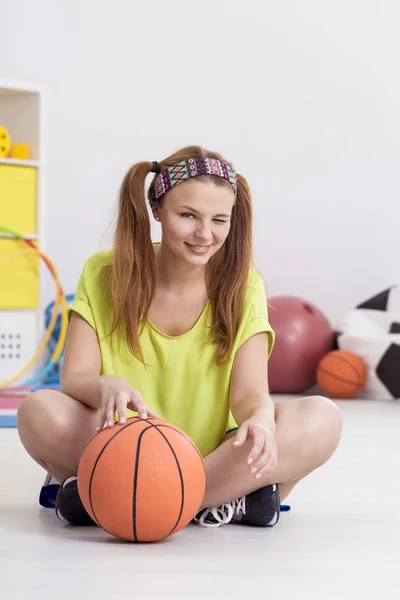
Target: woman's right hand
118, 395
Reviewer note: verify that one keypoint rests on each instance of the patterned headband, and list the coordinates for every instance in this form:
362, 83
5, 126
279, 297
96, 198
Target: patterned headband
194, 167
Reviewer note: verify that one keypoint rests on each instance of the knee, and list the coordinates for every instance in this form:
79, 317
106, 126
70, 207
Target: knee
31, 412
323, 411
39, 419
50, 418
29, 409
323, 427
32, 406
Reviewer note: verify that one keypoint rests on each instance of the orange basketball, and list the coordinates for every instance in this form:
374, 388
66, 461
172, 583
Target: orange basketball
142, 481
341, 374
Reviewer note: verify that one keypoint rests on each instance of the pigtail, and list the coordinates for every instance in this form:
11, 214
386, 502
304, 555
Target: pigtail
228, 272
133, 277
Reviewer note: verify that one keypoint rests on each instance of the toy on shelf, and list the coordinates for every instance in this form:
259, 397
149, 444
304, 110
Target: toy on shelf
20, 151
5, 142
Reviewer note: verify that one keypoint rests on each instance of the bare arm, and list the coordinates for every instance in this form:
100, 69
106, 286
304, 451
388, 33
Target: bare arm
249, 396
80, 377
252, 406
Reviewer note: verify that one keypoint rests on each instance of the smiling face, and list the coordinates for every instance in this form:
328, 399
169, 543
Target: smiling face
195, 218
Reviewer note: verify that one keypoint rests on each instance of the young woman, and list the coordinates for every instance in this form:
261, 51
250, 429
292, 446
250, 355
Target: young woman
179, 330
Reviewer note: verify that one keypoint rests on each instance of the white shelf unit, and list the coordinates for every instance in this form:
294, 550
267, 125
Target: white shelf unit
19, 162
21, 329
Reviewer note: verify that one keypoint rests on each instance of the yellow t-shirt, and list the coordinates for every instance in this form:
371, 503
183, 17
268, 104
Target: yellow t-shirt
182, 382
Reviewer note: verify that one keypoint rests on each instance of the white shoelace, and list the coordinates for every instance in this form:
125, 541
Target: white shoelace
222, 514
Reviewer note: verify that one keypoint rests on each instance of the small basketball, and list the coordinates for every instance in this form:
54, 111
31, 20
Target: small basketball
143, 480
341, 374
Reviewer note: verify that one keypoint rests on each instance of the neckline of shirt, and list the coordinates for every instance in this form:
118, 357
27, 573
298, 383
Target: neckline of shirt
177, 337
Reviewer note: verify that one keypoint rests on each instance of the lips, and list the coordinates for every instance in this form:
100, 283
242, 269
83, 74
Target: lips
198, 249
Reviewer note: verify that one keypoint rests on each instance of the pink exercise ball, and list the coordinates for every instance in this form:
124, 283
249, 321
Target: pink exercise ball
303, 335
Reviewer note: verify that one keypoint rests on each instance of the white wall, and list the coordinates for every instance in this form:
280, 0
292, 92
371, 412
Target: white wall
302, 96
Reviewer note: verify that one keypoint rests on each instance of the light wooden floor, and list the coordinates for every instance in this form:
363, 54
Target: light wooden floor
341, 540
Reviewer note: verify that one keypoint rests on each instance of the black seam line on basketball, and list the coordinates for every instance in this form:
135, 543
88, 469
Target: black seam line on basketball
194, 445
180, 476
97, 460
341, 379
177, 464
135, 480
352, 367
188, 438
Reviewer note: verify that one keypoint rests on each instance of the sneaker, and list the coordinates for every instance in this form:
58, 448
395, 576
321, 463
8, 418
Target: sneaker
259, 509
48, 492
69, 507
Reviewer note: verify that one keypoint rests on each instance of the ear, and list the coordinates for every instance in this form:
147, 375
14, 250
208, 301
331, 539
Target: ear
156, 211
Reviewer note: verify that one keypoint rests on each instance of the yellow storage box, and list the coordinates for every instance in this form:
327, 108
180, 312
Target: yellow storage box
19, 279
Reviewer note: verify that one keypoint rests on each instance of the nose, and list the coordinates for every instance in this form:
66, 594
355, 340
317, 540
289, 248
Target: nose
203, 231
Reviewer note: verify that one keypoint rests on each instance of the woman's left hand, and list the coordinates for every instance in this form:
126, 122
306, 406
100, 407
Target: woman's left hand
263, 456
